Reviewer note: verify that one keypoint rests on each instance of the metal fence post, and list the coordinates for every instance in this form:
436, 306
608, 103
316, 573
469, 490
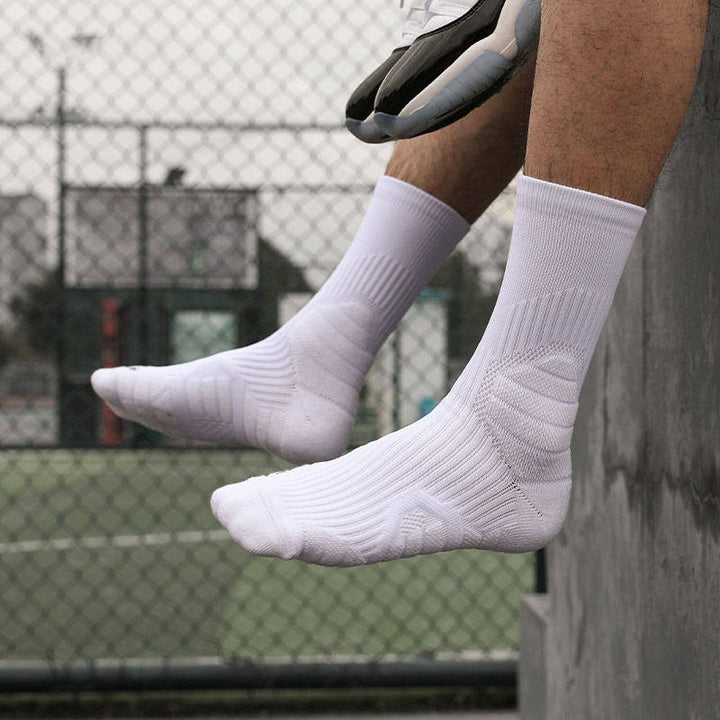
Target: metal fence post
62, 387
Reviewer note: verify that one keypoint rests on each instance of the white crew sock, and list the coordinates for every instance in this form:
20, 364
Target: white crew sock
490, 466
295, 393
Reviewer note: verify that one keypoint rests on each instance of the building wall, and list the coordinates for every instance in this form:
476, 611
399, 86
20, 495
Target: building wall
634, 617
194, 237
23, 247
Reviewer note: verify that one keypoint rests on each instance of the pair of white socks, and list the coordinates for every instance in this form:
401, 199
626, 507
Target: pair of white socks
488, 468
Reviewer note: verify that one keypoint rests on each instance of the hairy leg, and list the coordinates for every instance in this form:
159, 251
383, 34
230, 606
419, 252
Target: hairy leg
469, 163
613, 84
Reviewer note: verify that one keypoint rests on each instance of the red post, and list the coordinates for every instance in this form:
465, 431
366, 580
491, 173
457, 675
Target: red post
110, 424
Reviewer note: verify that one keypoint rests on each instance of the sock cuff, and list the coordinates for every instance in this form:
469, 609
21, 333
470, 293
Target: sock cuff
548, 199
565, 238
403, 196
404, 237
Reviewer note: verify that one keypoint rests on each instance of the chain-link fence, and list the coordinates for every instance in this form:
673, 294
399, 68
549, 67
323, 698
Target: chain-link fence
175, 181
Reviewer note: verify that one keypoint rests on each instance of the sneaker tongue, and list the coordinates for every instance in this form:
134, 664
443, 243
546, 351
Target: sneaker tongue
414, 21
425, 16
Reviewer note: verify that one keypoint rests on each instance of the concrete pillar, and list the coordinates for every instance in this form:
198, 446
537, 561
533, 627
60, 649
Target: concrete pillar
632, 626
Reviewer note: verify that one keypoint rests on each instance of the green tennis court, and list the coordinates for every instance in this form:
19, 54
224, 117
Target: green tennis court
115, 554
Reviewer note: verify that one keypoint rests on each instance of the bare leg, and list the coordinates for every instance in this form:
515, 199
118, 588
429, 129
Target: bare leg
613, 84
469, 163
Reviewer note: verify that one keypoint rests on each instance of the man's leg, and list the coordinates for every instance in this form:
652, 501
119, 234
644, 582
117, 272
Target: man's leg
468, 164
490, 466
295, 393
613, 84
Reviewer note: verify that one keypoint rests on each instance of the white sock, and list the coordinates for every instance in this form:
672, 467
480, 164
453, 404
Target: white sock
295, 393
490, 466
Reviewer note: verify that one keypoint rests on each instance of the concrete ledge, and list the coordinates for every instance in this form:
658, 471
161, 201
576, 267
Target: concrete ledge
532, 691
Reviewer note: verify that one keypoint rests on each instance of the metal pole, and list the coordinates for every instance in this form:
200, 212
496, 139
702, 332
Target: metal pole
143, 352
141, 435
540, 571
60, 279
137, 676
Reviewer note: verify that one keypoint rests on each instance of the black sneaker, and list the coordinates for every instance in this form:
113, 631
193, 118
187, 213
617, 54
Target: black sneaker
359, 109
424, 16
449, 71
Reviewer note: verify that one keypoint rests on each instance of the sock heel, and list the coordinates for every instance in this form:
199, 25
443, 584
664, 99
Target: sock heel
316, 430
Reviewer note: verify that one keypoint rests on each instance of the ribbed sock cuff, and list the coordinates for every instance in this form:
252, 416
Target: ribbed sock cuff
564, 237
543, 197
412, 199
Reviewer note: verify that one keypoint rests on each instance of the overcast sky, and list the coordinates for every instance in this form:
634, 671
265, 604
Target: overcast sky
229, 60
211, 61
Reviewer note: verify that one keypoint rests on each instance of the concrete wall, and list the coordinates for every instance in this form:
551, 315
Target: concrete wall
633, 626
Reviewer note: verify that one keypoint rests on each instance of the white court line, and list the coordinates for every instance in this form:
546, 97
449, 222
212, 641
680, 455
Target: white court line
122, 541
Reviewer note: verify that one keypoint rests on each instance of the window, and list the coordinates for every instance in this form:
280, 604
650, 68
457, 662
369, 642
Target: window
197, 333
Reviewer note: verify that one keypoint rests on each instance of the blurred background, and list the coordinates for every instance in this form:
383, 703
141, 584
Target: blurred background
176, 180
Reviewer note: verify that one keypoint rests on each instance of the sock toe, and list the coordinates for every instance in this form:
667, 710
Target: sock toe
134, 393
221, 502
254, 520
103, 383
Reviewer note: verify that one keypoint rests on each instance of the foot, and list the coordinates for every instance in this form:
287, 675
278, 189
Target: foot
423, 16
490, 466
293, 394
453, 67
489, 471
